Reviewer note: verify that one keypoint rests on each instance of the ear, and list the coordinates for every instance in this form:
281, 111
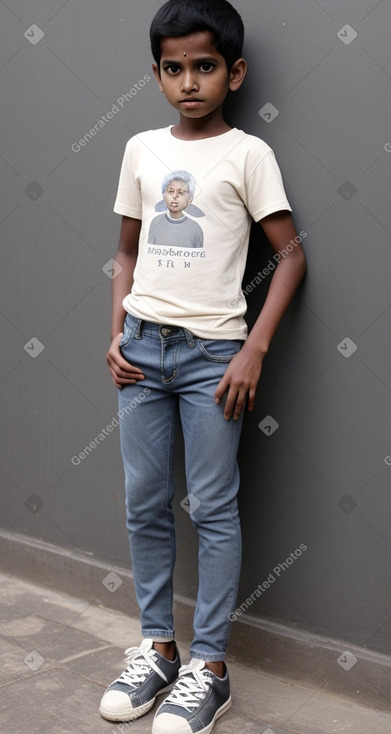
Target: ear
237, 74
157, 75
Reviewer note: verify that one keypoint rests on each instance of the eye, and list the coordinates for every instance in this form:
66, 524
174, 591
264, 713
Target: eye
206, 66
172, 69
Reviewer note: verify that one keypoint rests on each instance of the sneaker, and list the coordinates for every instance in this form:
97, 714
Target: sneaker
134, 692
198, 698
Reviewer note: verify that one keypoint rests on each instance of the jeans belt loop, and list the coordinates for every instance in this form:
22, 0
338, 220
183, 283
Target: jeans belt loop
139, 328
189, 338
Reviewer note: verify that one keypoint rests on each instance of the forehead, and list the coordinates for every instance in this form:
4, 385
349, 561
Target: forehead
177, 184
198, 44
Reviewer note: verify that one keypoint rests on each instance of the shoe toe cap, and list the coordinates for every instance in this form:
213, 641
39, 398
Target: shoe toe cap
115, 705
170, 724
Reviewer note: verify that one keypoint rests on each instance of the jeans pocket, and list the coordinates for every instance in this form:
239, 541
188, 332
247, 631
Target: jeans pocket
127, 331
219, 350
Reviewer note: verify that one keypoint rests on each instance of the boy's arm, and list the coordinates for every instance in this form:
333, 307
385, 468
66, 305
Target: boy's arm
243, 372
122, 372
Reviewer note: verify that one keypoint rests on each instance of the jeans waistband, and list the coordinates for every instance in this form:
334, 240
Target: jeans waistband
165, 331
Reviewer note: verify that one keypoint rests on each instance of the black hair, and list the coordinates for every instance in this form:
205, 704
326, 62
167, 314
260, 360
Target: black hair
183, 17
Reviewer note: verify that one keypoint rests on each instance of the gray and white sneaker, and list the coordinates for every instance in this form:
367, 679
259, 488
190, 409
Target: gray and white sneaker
147, 674
198, 698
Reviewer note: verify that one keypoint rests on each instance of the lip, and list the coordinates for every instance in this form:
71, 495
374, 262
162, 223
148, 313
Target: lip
191, 102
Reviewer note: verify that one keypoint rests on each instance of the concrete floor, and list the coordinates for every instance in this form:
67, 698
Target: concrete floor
58, 653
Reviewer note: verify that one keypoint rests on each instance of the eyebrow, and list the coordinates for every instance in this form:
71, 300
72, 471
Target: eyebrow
200, 59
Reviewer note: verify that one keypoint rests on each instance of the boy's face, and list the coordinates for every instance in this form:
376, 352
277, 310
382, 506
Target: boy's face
193, 74
177, 198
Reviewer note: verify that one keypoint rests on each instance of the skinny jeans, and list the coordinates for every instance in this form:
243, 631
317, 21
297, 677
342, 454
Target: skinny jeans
181, 372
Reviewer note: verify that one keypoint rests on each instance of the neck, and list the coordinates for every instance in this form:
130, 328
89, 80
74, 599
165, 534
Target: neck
175, 215
202, 127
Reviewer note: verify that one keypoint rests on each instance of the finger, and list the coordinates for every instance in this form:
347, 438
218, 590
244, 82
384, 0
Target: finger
230, 404
251, 399
121, 378
127, 379
126, 367
220, 390
115, 358
120, 382
239, 405
129, 374
123, 368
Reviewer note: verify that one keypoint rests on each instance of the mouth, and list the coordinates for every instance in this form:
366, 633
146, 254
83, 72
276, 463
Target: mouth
191, 101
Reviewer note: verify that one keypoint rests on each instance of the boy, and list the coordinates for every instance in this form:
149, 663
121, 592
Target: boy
184, 338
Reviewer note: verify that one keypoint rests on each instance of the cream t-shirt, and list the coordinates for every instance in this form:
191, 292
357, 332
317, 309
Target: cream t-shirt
194, 237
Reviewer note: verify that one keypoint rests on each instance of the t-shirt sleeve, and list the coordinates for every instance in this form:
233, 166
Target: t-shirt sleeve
128, 201
264, 187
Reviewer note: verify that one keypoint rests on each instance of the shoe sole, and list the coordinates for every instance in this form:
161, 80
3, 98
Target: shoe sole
207, 729
130, 714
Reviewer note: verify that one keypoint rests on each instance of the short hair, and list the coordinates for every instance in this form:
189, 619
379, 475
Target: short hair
184, 176
183, 17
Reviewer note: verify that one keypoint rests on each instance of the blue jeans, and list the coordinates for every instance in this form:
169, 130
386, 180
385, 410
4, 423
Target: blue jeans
181, 375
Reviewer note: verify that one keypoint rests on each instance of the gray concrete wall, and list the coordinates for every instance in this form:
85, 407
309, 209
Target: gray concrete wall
315, 497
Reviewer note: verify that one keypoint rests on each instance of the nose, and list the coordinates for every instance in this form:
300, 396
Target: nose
189, 83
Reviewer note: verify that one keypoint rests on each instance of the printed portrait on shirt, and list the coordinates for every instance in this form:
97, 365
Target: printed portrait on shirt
174, 228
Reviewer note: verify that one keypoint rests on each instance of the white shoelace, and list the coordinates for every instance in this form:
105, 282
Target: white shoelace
191, 687
139, 667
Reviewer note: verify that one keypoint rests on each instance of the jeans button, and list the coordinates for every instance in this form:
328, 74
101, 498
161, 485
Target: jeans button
168, 330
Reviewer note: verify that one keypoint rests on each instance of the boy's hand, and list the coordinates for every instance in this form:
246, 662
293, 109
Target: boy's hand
241, 379
122, 372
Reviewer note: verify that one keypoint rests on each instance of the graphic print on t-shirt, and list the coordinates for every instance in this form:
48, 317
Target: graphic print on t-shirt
174, 228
